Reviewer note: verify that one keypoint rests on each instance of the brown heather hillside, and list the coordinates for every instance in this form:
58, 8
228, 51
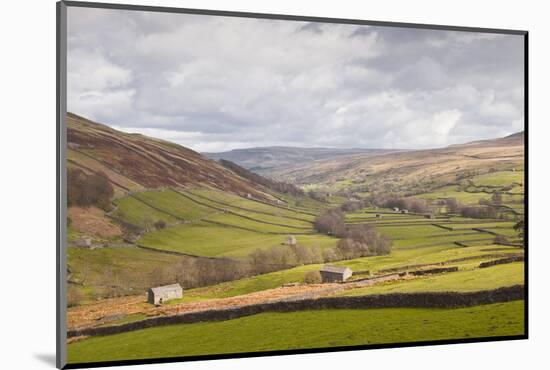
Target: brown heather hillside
135, 162
434, 166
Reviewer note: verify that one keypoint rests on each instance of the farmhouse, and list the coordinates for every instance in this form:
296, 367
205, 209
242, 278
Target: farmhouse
331, 274
290, 240
163, 294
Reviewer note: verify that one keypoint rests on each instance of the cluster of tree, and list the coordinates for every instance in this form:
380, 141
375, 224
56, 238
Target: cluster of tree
363, 241
282, 257
331, 222
85, 190
318, 196
479, 212
312, 277
196, 272
354, 205
279, 186
485, 209
453, 205
496, 199
358, 241
416, 205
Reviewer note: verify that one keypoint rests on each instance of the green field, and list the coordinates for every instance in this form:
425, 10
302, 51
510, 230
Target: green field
267, 213
453, 191
209, 240
302, 203
305, 329
403, 232
499, 178
441, 240
98, 268
138, 213
463, 281
272, 219
248, 204
234, 220
173, 203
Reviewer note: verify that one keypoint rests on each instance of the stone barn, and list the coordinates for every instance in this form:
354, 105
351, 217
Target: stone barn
396, 209
164, 293
334, 274
290, 240
404, 211
84, 242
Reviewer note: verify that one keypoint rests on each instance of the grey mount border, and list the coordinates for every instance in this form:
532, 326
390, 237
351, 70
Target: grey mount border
61, 189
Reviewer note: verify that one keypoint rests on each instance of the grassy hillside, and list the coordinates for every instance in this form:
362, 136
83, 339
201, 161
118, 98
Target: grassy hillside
204, 239
497, 163
135, 161
119, 270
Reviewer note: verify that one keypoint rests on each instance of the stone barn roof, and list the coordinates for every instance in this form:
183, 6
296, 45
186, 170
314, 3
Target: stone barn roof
165, 288
334, 269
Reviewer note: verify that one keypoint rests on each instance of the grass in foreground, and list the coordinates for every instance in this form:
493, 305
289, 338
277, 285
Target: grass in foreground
305, 329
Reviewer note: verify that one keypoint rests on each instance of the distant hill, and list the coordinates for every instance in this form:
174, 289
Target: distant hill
137, 162
266, 160
398, 170
514, 139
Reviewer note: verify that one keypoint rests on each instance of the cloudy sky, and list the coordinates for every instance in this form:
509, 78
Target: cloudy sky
220, 83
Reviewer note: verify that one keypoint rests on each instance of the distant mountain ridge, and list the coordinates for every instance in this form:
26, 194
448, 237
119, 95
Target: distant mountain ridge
265, 160
415, 166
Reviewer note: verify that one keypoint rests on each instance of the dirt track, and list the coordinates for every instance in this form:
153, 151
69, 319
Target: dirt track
96, 314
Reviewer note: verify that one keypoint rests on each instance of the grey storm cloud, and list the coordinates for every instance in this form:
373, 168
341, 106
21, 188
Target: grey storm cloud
219, 83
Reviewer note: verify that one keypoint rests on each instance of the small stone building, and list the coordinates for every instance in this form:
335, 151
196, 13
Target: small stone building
84, 242
73, 145
333, 274
164, 293
290, 240
396, 209
404, 211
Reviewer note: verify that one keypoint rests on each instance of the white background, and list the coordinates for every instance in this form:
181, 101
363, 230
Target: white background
27, 206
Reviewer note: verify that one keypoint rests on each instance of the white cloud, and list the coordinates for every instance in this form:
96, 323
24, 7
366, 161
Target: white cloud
218, 83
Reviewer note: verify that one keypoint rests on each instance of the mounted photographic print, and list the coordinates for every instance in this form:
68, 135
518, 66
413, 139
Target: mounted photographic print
236, 184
